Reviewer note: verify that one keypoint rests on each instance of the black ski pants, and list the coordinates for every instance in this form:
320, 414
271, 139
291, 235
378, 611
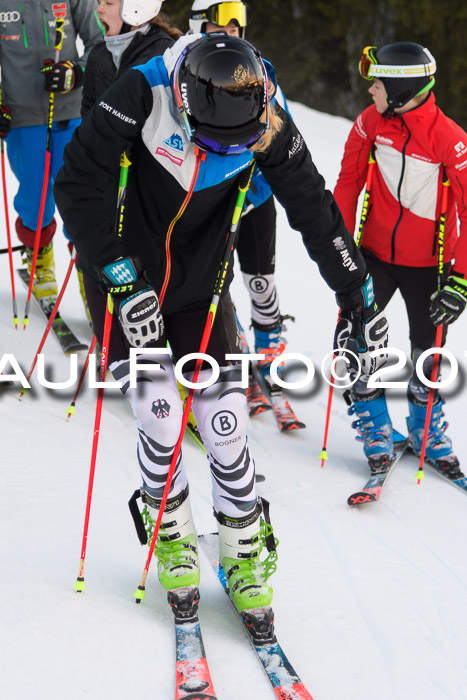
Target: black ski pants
183, 330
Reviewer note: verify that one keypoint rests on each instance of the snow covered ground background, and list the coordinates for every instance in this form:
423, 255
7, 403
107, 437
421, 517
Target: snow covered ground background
370, 604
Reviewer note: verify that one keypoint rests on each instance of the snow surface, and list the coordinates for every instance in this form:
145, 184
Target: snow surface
370, 604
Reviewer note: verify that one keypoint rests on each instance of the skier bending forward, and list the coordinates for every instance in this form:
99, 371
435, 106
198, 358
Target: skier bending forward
187, 154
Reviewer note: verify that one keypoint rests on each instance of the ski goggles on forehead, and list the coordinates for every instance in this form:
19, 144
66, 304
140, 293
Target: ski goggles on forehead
223, 13
369, 67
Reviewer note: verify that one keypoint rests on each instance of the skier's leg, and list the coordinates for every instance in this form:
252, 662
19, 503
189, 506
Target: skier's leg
416, 287
158, 408
257, 255
221, 414
26, 153
373, 423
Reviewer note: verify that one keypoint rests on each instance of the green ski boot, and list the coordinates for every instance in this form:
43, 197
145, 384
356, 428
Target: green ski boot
241, 541
177, 542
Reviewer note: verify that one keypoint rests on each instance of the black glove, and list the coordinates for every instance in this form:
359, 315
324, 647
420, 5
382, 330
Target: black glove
449, 302
5, 121
63, 76
361, 327
136, 301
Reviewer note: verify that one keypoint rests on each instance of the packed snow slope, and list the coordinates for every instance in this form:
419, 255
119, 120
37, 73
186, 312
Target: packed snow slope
370, 604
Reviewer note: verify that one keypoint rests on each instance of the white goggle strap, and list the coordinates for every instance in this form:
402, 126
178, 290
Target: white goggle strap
418, 71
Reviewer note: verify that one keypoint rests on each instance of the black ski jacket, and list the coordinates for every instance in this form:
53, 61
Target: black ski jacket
180, 201
101, 71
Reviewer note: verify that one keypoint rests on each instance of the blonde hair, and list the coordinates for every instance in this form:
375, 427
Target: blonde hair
275, 125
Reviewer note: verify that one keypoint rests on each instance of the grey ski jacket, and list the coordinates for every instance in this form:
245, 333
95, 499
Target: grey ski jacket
27, 37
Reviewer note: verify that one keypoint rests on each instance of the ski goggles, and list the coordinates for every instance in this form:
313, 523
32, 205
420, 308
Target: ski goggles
369, 67
223, 141
231, 142
223, 13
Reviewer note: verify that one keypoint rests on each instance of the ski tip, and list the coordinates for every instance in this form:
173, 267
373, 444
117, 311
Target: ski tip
139, 594
361, 497
79, 585
256, 410
293, 425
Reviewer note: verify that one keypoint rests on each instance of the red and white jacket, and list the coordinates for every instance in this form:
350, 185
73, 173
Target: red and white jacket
404, 207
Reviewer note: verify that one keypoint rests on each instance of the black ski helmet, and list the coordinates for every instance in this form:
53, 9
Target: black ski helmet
219, 84
406, 69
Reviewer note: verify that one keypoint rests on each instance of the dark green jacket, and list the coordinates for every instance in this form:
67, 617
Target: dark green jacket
27, 37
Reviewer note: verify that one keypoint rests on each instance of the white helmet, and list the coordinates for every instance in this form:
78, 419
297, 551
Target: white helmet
220, 13
137, 12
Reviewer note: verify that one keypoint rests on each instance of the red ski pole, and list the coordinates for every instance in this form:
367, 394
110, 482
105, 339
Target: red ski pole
363, 217
8, 234
124, 166
79, 585
71, 408
243, 186
123, 181
439, 329
51, 318
58, 45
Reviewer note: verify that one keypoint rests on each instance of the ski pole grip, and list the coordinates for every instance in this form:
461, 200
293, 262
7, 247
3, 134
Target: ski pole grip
59, 26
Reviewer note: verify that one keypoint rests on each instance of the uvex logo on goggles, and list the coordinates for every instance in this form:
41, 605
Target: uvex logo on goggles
370, 68
375, 70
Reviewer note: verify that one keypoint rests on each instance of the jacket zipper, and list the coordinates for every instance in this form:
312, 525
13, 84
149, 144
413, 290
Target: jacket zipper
399, 187
200, 157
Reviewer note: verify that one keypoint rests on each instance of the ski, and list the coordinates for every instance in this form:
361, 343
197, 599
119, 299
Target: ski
460, 481
371, 492
192, 676
257, 402
60, 329
272, 397
283, 678
285, 415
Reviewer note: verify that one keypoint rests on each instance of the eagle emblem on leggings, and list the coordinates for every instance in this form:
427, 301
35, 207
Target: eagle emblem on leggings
160, 408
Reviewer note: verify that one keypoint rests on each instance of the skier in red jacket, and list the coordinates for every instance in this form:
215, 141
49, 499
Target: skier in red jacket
415, 147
